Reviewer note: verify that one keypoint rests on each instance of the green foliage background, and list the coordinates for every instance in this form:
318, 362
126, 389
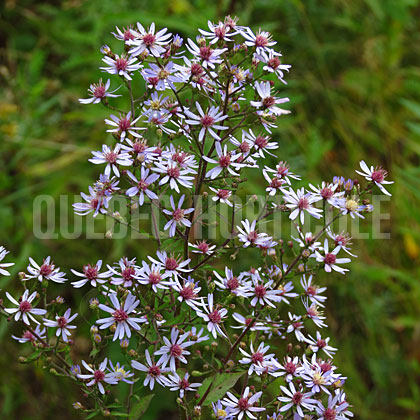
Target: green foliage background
355, 94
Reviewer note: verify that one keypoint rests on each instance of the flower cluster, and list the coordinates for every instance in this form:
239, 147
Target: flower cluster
175, 316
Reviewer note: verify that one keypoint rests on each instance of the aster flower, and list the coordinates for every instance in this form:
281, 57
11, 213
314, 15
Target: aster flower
376, 175
28, 336
216, 33
207, 56
262, 40
289, 369
245, 321
173, 174
154, 371
24, 308
99, 376
173, 266
286, 291
262, 293
202, 247
121, 316
341, 239
313, 313
91, 274
244, 405
161, 77
296, 399
177, 216
213, 315
307, 240
95, 203
209, 121
126, 34
300, 202
312, 291
47, 271
330, 259
327, 192
99, 91
182, 384
112, 157
159, 119
268, 102
282, 172
352, 206
120, 373
188, 292
220, 412
152, 275
140, 150
123, 126
230, 282
126, 272
321, 344
222, 196
225, 161
316, 378
273, 64
260, 143
142, 186
62, 323
121, 65
257, 359
174, 349
248, 234
295, 325
149, 41
335, 409
3, 253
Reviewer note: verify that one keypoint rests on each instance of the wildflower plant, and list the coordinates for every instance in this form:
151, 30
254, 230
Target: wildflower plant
223, 343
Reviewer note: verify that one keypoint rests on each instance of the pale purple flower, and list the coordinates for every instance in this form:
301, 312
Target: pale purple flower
335, 409
262, 40
126, 34
3, 253
126, 272
91, 274
62, 323
341, 239
300, 202
209, 121
290, 368
220, 412
123, 126
352, 206
330, 260
295, 326
173, 174
225, 161
376, 175
268, 102
202, 247
173, 266
222, 196
24, 307
149, 41
188, 292
121, 65
152, 275
154, 371
121, 316
286, 291
112, 157
321, 344
313, 313
177, 216
174, 349
216, 33
99, 91
273, 64
296, 399
328, 193
257, 359
99, 376
95, 203
312, 291
245, 405
207, 56
262, 293
283, 172
213, 315
248, 234
142, 186
120, 373
307, 240
161, 77
28, 336
47, 271
230, 282
260, 143
182, 384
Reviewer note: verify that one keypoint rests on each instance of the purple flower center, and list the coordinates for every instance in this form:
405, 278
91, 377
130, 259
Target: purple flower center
297, 398
188, 292
203, 247
260, 291
243, 404
220, 32
321, 343
121, 64
273, 62
45, 270
142, 185
61, 322
174, 172
111, 157
290, 367
175, 350
257, 357
99, 91
261, 142
171, 264
329, 414
261, 40
98, 375
91, 273
154, 371
184, 384
224, 161
196, 70
326, 193
120, 315
25, 306
268, 101
303, 203
149, 39
205, 53
232, 283
178, 215
124, 124
330, 258
207, 121
128, 273
223, 194
378, 175
215, 317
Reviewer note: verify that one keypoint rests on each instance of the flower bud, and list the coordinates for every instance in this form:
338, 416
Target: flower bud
97, 338
94, 303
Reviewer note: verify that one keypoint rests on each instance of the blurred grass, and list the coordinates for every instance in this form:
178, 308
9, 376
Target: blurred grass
355, 94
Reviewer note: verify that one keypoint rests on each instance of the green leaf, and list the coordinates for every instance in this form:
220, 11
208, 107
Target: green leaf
141, 407
219, 385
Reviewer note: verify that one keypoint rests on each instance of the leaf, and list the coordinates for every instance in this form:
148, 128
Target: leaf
219, 385
141, 407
